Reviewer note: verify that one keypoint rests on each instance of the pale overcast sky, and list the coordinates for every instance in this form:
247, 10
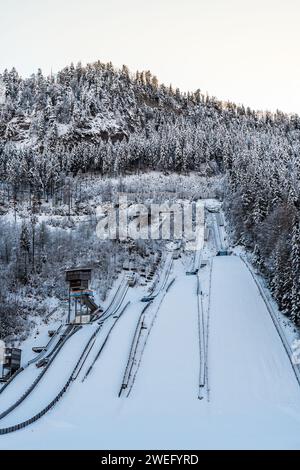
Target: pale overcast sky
243, 50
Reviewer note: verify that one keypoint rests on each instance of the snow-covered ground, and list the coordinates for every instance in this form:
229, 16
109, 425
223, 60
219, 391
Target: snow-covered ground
252, 398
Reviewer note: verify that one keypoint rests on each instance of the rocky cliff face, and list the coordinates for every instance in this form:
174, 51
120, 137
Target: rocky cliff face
89, 104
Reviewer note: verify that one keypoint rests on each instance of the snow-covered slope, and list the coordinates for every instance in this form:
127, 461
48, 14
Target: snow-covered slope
254, 399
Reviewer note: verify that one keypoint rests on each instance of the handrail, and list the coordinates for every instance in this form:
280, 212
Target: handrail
36, 381
132, 349
201, 340
26, 423
139, 330
105, 341
71, 378
275, 321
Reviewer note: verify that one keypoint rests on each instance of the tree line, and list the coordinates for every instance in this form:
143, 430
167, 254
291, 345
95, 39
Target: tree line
106, 121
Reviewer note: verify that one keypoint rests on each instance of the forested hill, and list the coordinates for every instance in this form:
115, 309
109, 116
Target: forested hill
128, 121
107, 121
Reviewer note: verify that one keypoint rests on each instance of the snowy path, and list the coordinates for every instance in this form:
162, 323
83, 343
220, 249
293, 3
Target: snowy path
248, 363
173, 344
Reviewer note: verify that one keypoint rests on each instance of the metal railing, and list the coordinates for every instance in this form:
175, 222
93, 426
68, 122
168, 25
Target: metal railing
37, 380
36, 417
276, 323
105, 341
73, 375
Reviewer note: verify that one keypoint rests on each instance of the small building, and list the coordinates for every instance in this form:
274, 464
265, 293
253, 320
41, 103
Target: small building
80, 294
78, 278
11, 362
